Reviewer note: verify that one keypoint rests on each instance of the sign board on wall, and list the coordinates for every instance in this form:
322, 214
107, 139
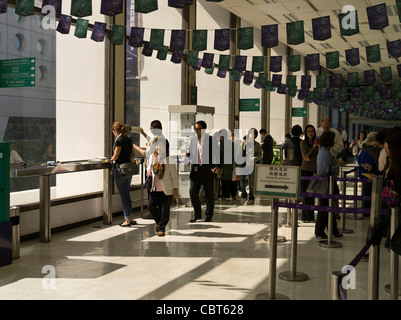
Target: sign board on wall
249, 104
17, 73
276, 181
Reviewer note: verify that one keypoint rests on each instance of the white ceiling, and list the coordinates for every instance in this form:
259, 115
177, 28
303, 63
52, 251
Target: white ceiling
264, 12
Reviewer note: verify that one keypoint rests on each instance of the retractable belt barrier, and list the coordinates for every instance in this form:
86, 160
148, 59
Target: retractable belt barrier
337, 292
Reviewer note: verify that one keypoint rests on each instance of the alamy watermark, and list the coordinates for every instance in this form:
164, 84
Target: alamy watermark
349, 280
49, 21
349, 20
49, 280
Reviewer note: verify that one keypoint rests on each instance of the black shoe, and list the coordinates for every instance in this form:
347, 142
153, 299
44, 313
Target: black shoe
338, 235
193, 220
322, 236
208, 219
133, 222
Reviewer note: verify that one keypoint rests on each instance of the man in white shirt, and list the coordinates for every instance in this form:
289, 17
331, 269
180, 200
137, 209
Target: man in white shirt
338, 142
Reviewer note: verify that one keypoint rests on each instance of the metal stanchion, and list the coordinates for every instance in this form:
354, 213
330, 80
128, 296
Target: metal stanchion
374, 253
293, 275
336, 278
142, 166
288, 224
355, 215
393, 288
342, 228
329, 243
272, 295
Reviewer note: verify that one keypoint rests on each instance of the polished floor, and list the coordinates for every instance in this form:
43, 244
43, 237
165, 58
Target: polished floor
226, 259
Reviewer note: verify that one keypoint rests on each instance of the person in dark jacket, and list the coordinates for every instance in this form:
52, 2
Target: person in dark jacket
294, 148
267, 147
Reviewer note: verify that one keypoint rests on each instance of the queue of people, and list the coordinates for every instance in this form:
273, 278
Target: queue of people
227, 160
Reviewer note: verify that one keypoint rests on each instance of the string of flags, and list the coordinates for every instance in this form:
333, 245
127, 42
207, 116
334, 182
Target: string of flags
364, 99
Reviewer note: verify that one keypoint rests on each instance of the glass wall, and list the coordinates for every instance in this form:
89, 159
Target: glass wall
61, 117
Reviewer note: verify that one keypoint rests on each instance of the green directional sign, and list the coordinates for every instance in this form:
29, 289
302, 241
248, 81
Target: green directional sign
249, 104
299, 112
17, 73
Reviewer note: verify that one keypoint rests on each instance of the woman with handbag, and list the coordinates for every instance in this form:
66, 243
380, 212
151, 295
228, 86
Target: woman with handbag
309, 150
326, 166
122, 152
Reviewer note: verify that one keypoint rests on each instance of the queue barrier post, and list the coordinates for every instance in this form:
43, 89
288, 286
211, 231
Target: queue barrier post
355, 215
293, 275
336, 280
394, 287
374, 254
329, 243
272, 295
343, 186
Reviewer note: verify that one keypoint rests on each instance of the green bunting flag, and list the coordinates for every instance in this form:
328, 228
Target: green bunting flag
353, 79
386, 74
245, 38
81, 8
146, 6
332, 60
294, 63
398, 4
81, 28
291, 81
258, 64
192, 58
321, 81
373, 53
295, 32
156, 39
262, 79
199, 40
25, 7
235, 75
117, 35
224, 62
162, 53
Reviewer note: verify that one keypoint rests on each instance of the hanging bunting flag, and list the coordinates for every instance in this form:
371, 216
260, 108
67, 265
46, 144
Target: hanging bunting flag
377, 16
224, 62
113, 7
177, 56
313, 61
291, 81
207, 61
276, 63
258, 63
81, 28
136, 37
276, 80
221, 73
192, 58
117, 35
394, 48
156, 38
210, 70
336, 80
329, 93
269, 35
240, 63
25, 7
235, 75
292, 92
147, 51
162, 53
248, 78
332, 60
263, 79
353, 79
81, 8
321, 28
295, 32
146, 6
369, 76
222, 39
3, 6
199, 40
352, 56
355, 93
177, 40
321, 81
386, 74
56, 4
64, 24
373, 53
294, 63
257, 85
179, 3
245, 38
282, 89
349, 24
399, 70
306, 81
99, 31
